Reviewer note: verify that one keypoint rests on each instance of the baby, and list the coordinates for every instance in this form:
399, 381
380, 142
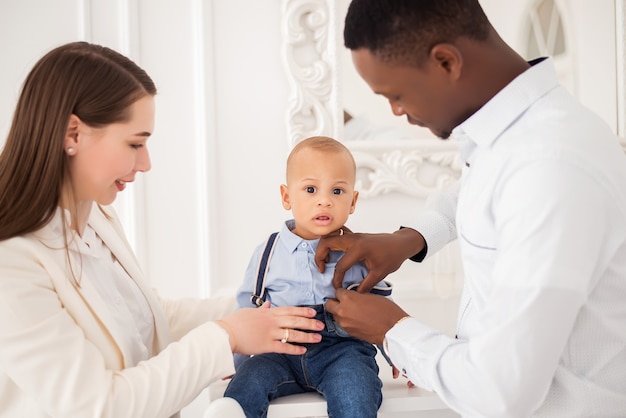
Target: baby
319, 192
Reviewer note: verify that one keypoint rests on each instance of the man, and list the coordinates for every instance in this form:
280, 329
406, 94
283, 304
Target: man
540, 214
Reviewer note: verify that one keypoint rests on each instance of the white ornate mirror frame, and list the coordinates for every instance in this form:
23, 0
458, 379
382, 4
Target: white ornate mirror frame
414, 167
310, 49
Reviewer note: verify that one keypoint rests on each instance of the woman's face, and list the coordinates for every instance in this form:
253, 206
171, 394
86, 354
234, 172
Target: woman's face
105, 159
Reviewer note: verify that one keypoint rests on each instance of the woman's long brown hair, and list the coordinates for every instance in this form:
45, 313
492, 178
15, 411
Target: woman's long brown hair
93, 82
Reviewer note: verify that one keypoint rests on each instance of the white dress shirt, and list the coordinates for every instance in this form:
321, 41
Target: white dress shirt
129, 308
541, 219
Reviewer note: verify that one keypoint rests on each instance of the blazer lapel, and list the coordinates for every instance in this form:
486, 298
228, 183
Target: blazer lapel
88, 296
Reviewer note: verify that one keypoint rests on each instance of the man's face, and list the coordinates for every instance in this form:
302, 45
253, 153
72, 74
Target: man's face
422, 94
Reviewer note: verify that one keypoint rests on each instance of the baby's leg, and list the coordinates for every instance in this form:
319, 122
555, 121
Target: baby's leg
260, 379
350, 383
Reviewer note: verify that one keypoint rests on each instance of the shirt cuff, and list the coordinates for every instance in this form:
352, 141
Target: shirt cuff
436, 237
415, 349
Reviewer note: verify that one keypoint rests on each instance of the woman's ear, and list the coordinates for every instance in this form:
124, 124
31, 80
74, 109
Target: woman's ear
284, 193
71, 135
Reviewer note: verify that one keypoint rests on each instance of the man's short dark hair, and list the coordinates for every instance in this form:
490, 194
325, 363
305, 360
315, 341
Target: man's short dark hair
405, 31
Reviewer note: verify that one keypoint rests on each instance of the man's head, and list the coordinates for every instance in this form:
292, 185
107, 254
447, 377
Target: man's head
416, 54
321, 175
405, 31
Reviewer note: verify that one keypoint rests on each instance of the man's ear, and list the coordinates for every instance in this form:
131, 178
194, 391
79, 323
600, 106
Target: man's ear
448, 58
71, 135
284, 194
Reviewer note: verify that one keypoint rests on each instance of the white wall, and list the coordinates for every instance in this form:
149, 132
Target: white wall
220, 137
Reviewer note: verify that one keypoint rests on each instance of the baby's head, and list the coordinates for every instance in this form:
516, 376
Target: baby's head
320, 186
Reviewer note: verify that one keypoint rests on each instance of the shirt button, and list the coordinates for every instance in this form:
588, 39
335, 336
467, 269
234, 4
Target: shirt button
304, 245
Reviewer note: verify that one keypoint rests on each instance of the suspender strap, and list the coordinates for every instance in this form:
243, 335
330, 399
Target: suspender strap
260, 293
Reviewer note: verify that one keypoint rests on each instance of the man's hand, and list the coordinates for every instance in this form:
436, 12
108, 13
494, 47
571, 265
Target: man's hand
395, 373
365, 316
381, 253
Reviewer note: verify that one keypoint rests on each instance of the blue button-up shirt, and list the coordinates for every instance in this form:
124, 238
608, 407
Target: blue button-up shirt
292, 277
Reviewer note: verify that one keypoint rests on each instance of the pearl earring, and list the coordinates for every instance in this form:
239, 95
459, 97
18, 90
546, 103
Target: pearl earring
70, 151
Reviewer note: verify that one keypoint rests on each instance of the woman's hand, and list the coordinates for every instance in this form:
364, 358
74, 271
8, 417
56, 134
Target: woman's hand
264, 329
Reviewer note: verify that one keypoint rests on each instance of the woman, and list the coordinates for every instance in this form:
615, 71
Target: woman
81, 333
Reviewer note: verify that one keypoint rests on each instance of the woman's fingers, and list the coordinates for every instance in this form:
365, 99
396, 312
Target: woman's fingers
261, 330
295, 336
297, 317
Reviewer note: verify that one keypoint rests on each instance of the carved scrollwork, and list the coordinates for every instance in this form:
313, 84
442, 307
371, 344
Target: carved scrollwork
309, 52
415, 168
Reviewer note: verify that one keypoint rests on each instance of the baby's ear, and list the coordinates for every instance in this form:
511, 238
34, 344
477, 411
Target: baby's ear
284, 194
355, 197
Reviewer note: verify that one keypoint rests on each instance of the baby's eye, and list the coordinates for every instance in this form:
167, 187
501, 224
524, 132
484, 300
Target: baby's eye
310, 189
136, 146
337, 191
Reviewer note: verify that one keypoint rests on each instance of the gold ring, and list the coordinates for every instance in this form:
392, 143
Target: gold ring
285, 335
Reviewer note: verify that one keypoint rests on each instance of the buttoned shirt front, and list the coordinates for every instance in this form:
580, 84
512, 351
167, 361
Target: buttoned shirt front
540, 214
93, 260
293, 278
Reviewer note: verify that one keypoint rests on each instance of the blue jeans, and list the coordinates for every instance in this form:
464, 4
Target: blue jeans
342, 369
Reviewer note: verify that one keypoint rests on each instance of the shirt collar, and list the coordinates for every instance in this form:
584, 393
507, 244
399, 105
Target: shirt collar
292, 241
488, 123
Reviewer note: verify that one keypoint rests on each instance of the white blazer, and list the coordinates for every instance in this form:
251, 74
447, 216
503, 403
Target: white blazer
59, 350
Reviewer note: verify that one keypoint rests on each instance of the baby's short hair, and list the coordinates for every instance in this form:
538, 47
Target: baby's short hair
320, 143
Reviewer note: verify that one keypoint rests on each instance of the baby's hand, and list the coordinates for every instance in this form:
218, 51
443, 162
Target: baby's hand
396, 373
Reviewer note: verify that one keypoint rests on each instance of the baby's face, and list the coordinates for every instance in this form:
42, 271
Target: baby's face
319, 191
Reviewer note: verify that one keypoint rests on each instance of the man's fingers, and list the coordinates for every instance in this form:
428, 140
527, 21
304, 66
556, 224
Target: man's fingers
346, 230
326, 244
321, 255
369, 282
332, 304
345, 262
